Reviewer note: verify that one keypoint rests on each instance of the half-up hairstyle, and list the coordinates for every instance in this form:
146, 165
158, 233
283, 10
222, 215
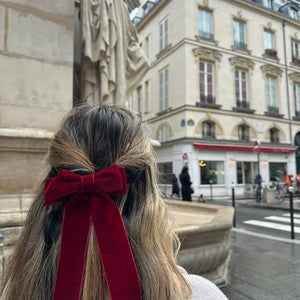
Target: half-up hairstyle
89, 140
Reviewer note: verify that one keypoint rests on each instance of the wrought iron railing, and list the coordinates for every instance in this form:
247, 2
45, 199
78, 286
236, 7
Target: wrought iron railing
242, 104
209, 99
240, 44
206, 35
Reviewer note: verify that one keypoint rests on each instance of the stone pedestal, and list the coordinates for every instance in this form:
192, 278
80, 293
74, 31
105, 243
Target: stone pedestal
205, 232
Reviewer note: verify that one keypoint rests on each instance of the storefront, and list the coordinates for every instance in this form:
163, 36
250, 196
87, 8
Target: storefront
215, 167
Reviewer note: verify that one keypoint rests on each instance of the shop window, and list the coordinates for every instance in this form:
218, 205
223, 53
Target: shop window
246, 171
278, 170
208, 130
212, 172
165, 172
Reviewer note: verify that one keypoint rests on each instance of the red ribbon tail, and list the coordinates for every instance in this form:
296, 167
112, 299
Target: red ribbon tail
116, 255
74, 240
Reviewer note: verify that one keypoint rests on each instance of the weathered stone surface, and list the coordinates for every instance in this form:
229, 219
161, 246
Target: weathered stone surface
2, 26
36, 94
11, 235
39, 38
53, 6
205, 232
27, 167
12, 219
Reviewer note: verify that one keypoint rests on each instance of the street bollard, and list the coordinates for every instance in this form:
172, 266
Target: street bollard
233, 203
291, 212
211, 191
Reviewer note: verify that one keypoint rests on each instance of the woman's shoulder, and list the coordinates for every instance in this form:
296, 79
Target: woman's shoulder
202, 288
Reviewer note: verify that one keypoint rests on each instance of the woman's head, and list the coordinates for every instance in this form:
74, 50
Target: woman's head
89, 140
185, 169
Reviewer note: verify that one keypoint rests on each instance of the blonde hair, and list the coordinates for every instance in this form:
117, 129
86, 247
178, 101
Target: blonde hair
89, 140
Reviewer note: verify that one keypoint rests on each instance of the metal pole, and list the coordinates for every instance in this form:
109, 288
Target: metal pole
292, 212
287, 82
258, 160
233, 204
211, 192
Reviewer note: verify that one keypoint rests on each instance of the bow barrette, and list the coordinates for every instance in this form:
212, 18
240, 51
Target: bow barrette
88, 200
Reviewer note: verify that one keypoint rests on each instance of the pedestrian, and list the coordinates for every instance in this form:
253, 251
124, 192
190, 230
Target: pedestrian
175, 186
98, 229
186, 190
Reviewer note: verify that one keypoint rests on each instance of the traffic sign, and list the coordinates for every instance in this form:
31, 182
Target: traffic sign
256, 146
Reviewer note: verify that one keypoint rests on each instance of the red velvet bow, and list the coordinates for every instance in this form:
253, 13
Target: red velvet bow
88, 200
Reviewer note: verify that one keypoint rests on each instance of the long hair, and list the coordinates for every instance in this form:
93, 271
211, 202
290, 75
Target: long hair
89, 140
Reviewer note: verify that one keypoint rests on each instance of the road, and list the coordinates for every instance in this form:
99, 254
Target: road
273, 222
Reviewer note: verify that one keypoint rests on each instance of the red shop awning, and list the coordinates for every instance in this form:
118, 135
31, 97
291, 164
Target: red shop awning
223, 147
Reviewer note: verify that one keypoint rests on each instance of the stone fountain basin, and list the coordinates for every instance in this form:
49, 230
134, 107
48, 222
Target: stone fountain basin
205, 232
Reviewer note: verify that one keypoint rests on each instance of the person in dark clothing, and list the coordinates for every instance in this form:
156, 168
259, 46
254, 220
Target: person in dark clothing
175, 186
186, 183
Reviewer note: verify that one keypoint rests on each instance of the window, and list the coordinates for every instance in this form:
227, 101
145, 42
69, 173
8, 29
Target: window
274, 135
243, 132
163, 133
271, 90
268, 40
267, 3
208, 130
239, 34
147, 97
165, 172
147, 46
295, 50
240, 86
294, 13
206, 82
163, 89
163, 34
297, 98
246, 171
205, 23
139, 99
212, 172
278, 170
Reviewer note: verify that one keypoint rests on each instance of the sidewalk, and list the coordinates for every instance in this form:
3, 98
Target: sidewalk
263, 269
285, 205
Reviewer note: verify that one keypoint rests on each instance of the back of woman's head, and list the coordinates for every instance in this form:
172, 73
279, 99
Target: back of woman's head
89, 140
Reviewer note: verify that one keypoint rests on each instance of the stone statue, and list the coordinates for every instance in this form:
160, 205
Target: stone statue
113, 62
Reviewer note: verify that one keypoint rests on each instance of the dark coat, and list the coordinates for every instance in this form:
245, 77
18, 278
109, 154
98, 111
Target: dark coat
186, 190
175, 186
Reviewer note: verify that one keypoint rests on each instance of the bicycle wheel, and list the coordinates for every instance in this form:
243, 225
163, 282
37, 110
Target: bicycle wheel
281, 195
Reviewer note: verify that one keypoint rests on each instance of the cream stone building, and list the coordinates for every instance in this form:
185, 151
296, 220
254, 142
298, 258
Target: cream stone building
223, 75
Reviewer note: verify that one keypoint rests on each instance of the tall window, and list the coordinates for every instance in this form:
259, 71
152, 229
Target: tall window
271, 90
267, 3
243, 131
297, 98
206, 81
163, 133
239, 34
294, 13
147, 97
163, 34
295, 50
208, 130
139, 98
268, 40
274, 135
147, 46
205, 23
163, 89
240, 86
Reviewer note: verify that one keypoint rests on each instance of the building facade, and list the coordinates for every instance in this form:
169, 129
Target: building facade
223, 75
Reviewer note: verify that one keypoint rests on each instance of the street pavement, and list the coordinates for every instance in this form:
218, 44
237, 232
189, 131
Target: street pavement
263, 268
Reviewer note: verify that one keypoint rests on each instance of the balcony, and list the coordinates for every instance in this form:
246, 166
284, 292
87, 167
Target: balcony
273, 111
244, 107
271, 53
240, 45
206, 35
208, 101
296, 61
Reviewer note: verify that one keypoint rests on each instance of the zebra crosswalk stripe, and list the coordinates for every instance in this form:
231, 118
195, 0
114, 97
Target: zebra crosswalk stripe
282, 219
295, 215
272, 225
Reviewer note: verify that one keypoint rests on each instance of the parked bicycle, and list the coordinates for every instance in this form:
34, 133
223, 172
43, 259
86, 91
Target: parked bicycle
279, 188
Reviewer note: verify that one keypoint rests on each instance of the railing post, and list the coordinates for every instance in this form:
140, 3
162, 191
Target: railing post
291, 212
233, 204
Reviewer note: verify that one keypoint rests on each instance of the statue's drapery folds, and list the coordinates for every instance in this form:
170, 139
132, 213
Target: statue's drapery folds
113, 63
